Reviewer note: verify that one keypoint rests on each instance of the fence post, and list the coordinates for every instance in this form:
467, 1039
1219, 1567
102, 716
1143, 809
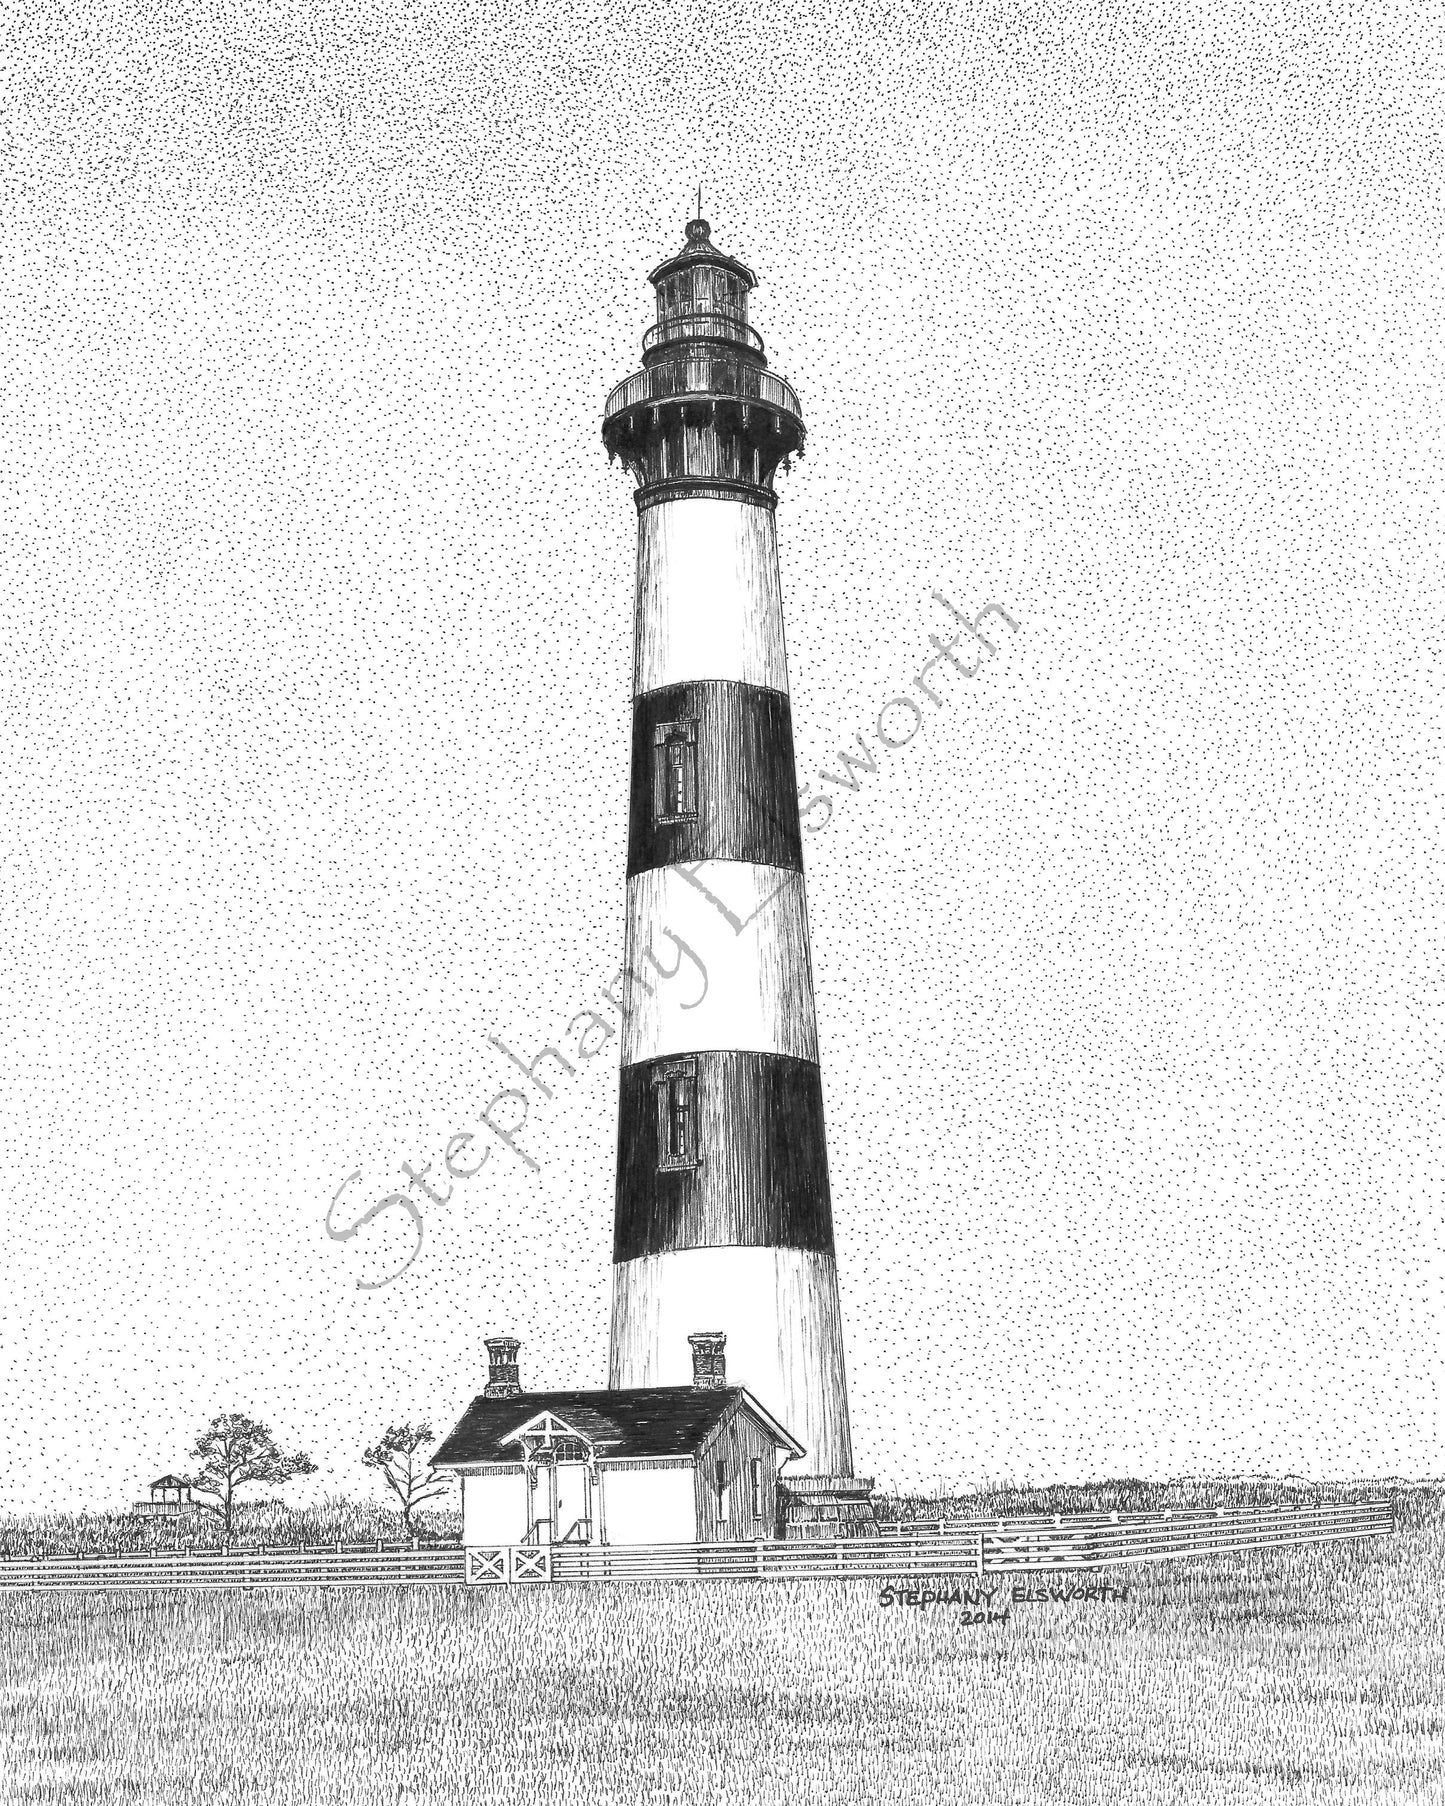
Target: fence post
979, 1556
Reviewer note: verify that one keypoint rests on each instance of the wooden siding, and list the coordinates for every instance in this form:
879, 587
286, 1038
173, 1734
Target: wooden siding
736, 1443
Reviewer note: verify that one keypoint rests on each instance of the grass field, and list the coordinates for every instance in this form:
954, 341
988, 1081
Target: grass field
1315, 1676
271, 1523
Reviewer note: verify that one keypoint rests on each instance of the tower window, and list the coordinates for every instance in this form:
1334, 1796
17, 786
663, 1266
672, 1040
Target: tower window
677, 1138
757, 1486
674, 771
679, 1119
722, 1493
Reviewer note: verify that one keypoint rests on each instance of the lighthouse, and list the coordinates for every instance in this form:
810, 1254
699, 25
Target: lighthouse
723, 1222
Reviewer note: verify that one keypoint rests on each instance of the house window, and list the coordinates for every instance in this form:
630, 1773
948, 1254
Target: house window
674, 771
675, 1083
757, 1486
722, 1493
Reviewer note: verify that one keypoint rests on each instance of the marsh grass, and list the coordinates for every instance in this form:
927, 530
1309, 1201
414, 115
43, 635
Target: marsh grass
271, 1523
1415, 1502
1311, 1676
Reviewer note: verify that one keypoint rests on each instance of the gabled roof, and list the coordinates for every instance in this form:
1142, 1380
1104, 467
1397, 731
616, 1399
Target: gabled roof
545, 1427
632, 1424
169, 1480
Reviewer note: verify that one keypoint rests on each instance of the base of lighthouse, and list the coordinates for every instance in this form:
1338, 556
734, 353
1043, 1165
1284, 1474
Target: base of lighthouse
778, 1308
814, 1506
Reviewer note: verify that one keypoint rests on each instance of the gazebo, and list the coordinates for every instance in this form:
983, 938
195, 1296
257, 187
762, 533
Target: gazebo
170, 1498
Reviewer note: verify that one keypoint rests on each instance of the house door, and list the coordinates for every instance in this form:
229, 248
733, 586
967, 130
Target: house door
542, 1528
574, 1502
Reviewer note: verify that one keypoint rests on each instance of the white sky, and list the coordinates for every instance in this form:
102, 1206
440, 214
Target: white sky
316, 596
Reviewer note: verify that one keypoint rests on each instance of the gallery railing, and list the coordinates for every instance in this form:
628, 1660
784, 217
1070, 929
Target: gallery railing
701, 326
703, 375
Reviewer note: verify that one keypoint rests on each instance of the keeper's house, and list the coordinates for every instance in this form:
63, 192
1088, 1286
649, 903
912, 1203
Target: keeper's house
655, 1464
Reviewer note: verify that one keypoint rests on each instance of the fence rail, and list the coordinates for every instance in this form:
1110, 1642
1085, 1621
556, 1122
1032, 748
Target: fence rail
1190, 1515
1010, 1546
1017, 1545
241, 1568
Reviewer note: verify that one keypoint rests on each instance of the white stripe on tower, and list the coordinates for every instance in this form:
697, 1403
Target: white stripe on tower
747, 927
709, 601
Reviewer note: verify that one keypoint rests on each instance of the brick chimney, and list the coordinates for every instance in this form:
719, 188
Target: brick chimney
709, 1366
503, 1380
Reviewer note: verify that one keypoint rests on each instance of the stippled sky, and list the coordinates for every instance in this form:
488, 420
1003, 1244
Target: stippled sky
316, 597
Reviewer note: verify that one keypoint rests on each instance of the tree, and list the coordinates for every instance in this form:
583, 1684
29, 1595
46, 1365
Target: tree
235, 1451
396, 1459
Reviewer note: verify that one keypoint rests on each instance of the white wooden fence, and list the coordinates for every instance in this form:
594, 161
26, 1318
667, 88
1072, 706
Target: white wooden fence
956, 1546
953, 1546
330, 1566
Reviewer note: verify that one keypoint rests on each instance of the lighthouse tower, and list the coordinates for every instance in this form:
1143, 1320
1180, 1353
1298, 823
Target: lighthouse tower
724, 1223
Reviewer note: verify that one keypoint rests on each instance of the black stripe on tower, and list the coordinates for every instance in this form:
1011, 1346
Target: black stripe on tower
721, 1149
713, 777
